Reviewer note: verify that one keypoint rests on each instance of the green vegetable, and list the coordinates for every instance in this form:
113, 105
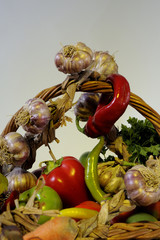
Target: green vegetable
68, 181
46, 198
141, 217
91, 174
83, 159
141, 138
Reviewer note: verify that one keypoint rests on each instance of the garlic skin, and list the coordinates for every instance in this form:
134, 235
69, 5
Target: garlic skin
73, 58
20, 180
111, 178
142, 185
34, 116
14, 149
104, 64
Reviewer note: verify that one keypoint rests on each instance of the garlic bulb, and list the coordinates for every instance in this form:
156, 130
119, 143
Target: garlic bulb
111, 178
34, 116
73, 58
14, 149
142, 185
20, 180
104, 64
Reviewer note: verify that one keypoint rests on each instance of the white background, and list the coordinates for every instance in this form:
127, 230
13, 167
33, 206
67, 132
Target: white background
33, 31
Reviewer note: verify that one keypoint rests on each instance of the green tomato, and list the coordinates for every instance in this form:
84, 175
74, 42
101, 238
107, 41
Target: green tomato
23, 197
46, 197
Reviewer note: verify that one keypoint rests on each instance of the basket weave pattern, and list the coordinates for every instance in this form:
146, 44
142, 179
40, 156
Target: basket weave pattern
87, 82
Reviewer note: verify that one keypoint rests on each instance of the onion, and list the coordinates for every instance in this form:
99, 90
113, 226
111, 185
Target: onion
142, 185
34, 116
73, 59
20, 180
14, 149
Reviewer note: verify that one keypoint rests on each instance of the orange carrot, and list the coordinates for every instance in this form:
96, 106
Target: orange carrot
35, 238
59, 228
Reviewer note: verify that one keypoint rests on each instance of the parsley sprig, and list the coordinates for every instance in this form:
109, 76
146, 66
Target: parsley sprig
141, 139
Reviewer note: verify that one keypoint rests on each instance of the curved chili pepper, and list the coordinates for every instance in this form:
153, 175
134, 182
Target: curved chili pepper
78, 213
108, 113
91, 175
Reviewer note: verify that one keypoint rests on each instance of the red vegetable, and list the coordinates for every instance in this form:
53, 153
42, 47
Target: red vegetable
90, 205
154, 209
108, 112
67, 179
122, 217
10, 200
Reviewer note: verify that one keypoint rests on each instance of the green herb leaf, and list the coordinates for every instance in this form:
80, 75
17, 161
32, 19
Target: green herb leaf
141, 138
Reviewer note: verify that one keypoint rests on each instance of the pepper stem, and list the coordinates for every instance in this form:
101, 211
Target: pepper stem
78, 125
125, 163
50, 165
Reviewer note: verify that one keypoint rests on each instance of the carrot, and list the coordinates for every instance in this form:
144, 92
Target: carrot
59, 228
35, 238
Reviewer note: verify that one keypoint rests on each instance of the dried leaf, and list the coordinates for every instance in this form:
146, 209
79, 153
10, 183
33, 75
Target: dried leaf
39, 185
125, 152
71, 89
116, 201
104, 213
127, 206
120, 148
86, 226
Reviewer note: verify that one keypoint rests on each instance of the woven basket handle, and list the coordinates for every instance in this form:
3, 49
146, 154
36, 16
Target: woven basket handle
85, 82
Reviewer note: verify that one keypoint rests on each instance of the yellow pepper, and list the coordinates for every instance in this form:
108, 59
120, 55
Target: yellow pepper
78, 213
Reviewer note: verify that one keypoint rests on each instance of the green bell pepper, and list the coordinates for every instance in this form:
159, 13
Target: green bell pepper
46, 198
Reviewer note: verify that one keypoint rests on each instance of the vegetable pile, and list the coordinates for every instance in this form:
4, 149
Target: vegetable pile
71, 198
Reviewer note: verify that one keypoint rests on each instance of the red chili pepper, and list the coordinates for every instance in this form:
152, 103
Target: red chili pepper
107, 113
68, 180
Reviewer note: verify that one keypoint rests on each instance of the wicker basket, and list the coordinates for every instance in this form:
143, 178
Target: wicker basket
88, 82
